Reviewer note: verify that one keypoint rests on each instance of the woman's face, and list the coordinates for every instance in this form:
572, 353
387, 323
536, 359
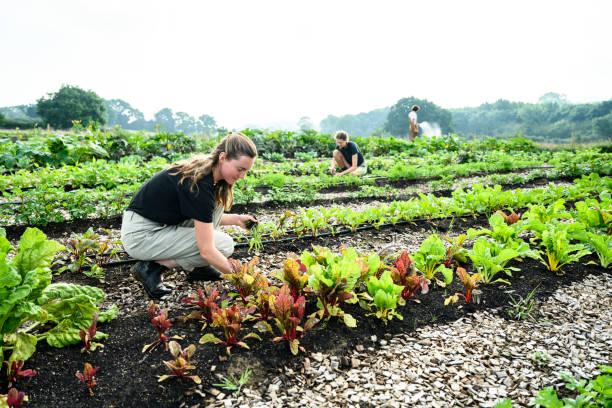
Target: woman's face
236, 169
341, 143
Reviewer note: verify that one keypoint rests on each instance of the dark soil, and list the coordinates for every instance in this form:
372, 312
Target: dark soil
128, 378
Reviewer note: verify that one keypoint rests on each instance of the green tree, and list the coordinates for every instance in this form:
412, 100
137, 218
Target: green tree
553, 98
185, 123
397, 119
165, 119
603, 127
121, 113
305, 123
71, 103
207, 124
361, 124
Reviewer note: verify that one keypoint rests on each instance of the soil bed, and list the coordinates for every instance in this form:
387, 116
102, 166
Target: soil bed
129, 378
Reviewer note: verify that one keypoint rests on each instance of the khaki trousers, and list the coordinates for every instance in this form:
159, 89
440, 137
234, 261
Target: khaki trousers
148, 240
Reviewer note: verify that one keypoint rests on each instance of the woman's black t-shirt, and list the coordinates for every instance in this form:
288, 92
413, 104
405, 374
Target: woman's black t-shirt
349, 150
163, 199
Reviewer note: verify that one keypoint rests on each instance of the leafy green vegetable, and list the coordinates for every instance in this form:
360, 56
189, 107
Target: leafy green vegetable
557, 249
602, 246
430, 258
385, 296
33, 309
332, 278
490, 258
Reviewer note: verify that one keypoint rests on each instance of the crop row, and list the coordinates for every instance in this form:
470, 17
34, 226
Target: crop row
89, 251
39, 148
133, 169
53, 150
478, 200
45, 204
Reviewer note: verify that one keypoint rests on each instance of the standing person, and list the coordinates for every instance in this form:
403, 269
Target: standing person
413, 123
347, 157
174, 219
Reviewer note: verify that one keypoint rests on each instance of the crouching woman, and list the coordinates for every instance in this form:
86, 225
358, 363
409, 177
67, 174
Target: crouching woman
174, 219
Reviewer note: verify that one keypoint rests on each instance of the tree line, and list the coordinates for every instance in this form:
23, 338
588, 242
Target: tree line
71, 104
552, 119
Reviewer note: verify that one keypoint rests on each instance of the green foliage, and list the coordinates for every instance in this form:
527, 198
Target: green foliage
594, 393
500, 231
332, 278
490, 258
361, 124
70, 104
505, 403
31, 308
430, 257
539, 216
385, 296
594, 214
506, 235
54, 150
557, 249
522, 308
602, 246
233, 384
543, 122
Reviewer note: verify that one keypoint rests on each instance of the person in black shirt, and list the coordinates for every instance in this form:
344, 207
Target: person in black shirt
173, 219
347, 157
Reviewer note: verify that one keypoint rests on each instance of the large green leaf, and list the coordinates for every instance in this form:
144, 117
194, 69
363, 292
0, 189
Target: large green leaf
23, 348
69, 290
64, 334
14, 296
9, 276
77, 307
38, 280
34, 251
109, 314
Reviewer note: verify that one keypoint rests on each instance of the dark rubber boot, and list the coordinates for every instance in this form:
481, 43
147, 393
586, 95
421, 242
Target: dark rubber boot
149, 274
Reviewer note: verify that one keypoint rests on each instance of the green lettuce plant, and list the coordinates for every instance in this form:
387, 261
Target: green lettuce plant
593, 393
332, 278
32, 309
385, 296
489, 258
556, 248
430, 258
602, 246
539, 215
594, 214
500, 230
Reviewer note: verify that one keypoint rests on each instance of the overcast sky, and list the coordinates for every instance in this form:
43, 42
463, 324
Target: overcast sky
264, 62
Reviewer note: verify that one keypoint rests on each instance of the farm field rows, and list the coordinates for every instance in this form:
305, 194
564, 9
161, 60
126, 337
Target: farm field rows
342, 281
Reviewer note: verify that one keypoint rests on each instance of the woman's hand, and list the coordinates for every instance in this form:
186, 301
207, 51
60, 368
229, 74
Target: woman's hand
242, 219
